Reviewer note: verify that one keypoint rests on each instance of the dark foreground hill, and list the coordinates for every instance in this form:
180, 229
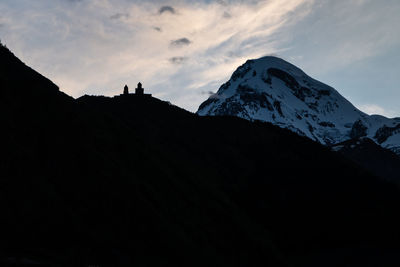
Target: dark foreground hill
380, 161
139, 182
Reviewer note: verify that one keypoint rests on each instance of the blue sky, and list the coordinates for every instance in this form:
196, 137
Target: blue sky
183, 49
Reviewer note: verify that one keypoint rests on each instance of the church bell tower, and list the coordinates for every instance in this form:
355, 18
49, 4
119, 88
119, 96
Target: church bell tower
139, 90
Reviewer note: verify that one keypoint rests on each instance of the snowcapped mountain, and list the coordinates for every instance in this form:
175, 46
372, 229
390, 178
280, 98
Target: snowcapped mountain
273, 90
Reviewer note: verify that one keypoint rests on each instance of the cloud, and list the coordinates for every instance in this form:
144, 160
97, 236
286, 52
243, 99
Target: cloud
157, 29
227, 15
207, 93
222, 2
120, 16
81, 49
180, 42
84, 52
340, 33
167, 9
177, 60
373, 109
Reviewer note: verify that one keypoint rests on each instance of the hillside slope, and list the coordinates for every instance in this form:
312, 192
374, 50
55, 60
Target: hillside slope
382, 162
137, 181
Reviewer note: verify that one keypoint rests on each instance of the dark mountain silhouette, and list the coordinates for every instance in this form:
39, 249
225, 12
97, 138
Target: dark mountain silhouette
380, 161
138, 182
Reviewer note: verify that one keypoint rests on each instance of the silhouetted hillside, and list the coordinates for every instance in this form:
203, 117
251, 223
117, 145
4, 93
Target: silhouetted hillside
139, 182
380, 161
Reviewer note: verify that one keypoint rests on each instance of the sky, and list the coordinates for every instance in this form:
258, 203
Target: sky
184, 50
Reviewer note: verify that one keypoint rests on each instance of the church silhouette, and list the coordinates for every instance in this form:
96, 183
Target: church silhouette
139, 91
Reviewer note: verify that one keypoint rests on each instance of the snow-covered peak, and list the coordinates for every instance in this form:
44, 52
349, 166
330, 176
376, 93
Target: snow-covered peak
273, 90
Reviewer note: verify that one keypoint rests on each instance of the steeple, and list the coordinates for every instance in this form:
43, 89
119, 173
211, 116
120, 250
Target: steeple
126, 90
139, 90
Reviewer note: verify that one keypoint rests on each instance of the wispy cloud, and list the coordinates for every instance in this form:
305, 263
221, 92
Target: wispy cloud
373, 109
120, 16
84, 51
227, 15
340, 33
167, 9
157, 29
180, 42
178, 60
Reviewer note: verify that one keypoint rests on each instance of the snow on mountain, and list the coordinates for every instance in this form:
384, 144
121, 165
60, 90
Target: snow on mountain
273, 90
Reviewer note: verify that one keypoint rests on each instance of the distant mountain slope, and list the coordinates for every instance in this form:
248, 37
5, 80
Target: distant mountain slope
135, 181
273, 90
